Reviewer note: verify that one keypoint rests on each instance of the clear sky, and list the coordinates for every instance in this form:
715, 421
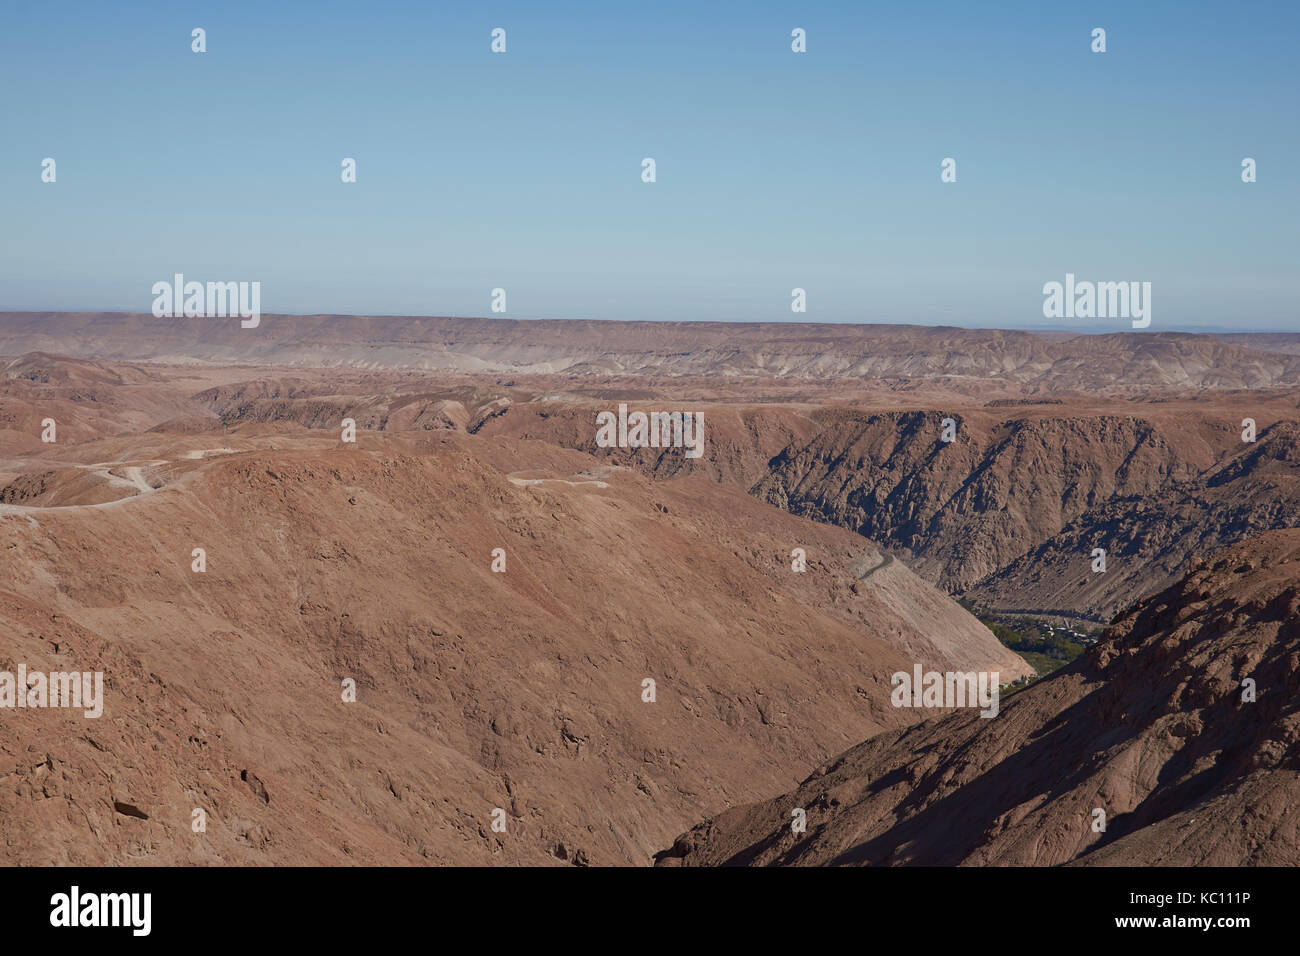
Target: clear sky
775, 170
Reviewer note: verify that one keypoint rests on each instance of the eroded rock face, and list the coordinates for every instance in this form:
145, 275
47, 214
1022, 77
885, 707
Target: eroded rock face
967, 508
1150, 727
1151, 538
1009, 514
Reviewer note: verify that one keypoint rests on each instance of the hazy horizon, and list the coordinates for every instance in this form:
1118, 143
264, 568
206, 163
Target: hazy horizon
1094, 329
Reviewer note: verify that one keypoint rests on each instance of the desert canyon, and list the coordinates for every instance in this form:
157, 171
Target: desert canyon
497, 588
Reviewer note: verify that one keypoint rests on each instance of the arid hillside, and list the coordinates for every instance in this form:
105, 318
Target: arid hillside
521, 690
1182, 726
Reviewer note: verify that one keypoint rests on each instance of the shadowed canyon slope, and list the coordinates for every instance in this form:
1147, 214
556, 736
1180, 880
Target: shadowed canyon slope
1150, 726
1010, 512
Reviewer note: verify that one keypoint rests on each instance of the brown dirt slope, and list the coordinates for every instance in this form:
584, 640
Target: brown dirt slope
476, 690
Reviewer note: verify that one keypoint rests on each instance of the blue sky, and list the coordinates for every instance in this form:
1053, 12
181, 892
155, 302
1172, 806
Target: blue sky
775, 170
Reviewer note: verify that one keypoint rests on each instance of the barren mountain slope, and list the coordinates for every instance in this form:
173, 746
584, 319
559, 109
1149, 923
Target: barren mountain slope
475, 690
1150, 726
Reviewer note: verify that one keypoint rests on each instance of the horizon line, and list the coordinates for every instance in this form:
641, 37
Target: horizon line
1056, 329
